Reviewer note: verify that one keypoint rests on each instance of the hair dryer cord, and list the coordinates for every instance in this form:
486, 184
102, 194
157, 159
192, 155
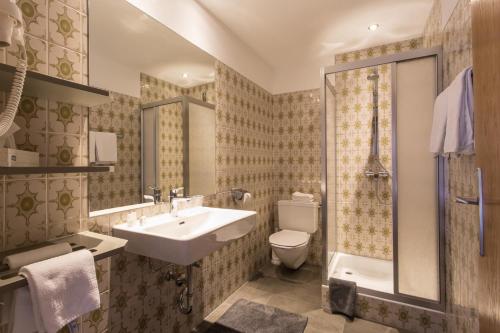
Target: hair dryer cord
7, 117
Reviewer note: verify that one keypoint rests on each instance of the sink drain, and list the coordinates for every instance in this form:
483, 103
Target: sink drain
349, 273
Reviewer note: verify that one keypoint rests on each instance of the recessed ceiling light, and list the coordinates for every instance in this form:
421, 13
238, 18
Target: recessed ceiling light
185, 75
373, 27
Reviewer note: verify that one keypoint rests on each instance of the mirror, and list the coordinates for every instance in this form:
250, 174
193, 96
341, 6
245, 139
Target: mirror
162, 94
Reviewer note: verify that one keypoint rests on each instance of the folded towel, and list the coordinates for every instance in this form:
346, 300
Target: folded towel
18, 260
102, 148
306, 197
62, 289
342, 297
460, 118
439, 123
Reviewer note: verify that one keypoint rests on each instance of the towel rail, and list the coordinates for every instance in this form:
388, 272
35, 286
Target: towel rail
101, 246
479, 201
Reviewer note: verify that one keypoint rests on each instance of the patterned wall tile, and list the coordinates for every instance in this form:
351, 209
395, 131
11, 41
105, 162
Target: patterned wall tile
380, 50
404, 317
63, 150
65, 118
65, 64
34, 17
64, 26
56, 35
97, 320
63, 207
25, 213
297, 151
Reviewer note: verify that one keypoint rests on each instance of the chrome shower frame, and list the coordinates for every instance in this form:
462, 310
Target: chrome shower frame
184, 100
440, 165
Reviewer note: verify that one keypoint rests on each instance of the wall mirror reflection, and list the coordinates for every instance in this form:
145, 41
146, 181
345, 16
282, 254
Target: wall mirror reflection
162, 95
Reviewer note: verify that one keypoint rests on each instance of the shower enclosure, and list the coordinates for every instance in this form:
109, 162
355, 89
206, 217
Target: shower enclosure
382, 190
178, 146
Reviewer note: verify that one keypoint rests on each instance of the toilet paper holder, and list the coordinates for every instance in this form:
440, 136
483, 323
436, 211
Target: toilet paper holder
240, 195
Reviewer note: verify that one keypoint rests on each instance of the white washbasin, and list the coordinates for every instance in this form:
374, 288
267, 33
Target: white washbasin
193, 234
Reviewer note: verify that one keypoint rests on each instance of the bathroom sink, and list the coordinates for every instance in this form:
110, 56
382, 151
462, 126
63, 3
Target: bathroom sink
186, 238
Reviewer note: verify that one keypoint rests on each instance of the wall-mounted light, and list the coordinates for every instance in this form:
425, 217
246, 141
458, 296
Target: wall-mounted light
185, 75
373, 27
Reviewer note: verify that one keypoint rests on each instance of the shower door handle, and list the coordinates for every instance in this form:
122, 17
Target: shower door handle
479, 201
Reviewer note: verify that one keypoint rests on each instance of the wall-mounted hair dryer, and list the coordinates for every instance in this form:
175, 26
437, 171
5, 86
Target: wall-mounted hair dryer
11, 30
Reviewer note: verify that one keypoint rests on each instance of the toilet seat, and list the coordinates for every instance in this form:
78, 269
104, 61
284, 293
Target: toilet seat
289, 238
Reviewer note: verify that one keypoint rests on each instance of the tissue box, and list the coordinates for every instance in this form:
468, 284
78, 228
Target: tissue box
20, 158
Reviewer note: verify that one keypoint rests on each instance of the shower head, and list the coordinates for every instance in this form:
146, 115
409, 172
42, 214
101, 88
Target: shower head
372, 76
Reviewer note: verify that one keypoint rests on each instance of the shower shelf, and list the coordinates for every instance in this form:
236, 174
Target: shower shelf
53, 88
101, 246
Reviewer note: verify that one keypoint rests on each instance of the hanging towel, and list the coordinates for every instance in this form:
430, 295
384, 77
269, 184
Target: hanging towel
459, 136
439, 123
21, 308
304, 197
342, 296
21, 318
102, 148
18, 260
62, 289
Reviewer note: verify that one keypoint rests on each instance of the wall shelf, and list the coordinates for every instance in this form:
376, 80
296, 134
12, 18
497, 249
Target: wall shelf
52, 88
101, 246
52, 169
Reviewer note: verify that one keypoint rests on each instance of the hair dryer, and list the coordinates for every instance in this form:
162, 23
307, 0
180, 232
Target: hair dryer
11, 25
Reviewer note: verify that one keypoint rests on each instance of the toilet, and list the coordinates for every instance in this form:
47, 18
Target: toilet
297, 220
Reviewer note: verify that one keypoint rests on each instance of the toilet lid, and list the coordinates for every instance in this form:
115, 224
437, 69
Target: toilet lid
289, 238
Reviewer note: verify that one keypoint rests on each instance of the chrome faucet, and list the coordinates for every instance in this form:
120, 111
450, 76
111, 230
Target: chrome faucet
156, 194
173, 196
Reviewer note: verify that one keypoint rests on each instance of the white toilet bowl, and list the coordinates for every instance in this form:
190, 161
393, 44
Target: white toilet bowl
291, 247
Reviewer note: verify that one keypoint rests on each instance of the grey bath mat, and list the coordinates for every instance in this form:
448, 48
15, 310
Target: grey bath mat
249, 317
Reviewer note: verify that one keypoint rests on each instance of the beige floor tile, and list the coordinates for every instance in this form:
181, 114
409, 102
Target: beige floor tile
320, 321
298, 292
363, 326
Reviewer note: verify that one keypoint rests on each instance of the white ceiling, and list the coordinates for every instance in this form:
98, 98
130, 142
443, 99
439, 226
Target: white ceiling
139, 43
300, 36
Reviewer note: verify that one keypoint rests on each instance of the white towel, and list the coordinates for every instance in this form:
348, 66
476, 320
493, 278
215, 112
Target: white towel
305, 197
439, 123
22, 319
62, 289
459, 136
18, 260
103, 148
21, 309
